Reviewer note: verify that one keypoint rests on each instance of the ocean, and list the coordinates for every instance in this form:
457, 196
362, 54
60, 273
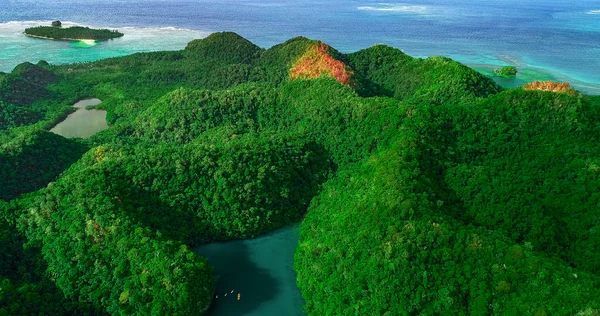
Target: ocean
557, 40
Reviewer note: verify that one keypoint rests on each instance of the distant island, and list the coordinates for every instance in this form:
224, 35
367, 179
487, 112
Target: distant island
506, 71
75, 33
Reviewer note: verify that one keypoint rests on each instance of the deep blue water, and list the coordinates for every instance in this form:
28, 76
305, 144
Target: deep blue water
560, 38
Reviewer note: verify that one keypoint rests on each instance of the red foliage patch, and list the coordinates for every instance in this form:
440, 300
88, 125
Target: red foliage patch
557, 87
317, 62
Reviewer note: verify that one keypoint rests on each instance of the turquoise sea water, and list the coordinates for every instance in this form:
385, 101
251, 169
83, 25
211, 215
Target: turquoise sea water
16, 47
550, 38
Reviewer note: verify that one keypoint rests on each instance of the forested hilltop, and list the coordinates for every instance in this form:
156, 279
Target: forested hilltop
422, 186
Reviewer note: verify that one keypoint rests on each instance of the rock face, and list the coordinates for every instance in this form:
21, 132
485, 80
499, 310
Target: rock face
56, 24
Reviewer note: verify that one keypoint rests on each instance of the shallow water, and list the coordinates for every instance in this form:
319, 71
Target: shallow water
82, 123
260, 270
16, 48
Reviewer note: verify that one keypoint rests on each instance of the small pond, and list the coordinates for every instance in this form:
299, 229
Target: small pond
82, 123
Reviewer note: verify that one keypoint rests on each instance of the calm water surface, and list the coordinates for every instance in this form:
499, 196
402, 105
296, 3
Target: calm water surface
82, 123
260, 270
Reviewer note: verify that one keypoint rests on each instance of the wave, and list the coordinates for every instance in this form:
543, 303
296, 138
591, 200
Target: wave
389, 7
32, 23
265, 5
16, 48
161, 28
137, 38
593, 12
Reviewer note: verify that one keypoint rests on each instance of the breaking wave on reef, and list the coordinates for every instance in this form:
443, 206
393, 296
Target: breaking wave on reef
389, 7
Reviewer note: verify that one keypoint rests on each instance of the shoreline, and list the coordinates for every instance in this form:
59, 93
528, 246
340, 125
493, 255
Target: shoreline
60, 39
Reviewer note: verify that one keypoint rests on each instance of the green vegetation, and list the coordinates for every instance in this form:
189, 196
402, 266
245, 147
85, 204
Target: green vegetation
72, 33
31, 158
18, 90
13, 116
422, 186
25, 97
506, 71
433, 81
469, 212
25, 288
227, 47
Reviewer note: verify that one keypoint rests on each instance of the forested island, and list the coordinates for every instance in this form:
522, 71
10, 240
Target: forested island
72, 33
506, 71
422, 187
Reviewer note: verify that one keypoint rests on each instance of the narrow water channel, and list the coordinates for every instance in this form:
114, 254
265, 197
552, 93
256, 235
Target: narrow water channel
260, 270
82, 123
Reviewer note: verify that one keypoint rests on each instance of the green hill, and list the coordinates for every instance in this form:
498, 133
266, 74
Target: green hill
25, 98
422, 186
25, 287
35, 74
471, 211
18, 90
225, 47
12, 116
435, 80
30, 159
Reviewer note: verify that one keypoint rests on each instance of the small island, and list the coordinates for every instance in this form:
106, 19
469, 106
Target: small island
75, 33
507, 71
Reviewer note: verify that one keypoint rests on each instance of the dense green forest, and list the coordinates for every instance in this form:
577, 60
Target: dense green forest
423, 187
72, 33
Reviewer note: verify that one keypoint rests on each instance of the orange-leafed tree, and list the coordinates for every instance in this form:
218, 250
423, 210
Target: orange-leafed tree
317, 62
558, 87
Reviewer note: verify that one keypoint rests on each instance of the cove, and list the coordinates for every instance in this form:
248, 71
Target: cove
82, 123
260, 270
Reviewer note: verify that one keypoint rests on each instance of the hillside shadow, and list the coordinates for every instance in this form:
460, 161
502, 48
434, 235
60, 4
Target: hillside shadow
29, 290
174, 223
39, 160
237, 272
